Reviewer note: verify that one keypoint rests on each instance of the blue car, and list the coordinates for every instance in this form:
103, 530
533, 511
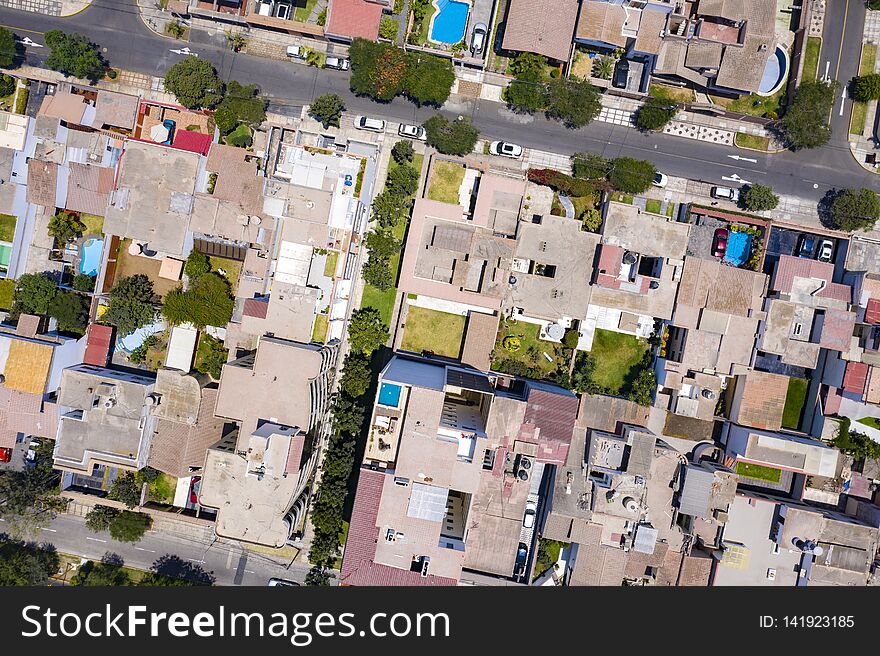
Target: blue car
805, 247
169, 125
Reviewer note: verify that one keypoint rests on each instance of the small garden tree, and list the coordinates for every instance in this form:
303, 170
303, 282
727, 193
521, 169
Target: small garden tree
805, 124
574, 102
65, 227
390, 208
126, 488
402, 181
356, 375
451, 137
759, 198
631, 176
366, 331
7, 83
24, 564
33, 293
195, 83
403, 152
644, 387
591, 166
207, 302
70, 310
867, 87
241, 104
197, 264
8, 48
130, 526
429, 79
102, 574
655, 114
131, 304
212, 355
73, 54
327, 109
83, 282
853, 209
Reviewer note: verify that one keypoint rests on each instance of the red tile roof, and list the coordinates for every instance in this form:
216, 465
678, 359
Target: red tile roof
353, 18
554, 415
88, 188
98, 345
256, 307
837, 330
194, 142
358, 567
872, 311
294, 453
791, 267
855, 377
25, 412
832, 401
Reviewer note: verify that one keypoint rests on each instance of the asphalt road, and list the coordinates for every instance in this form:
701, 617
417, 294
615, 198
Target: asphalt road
128, 44
841, 51
230, 564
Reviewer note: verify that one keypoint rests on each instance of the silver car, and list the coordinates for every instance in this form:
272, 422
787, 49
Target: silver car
337, 63
411, 131
478, 38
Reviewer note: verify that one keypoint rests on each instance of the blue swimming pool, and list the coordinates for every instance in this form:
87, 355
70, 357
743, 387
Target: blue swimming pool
775, 72
90, 258
450, 21
389, 395
739, 248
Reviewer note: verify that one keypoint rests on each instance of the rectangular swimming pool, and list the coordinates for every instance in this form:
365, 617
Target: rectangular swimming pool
389, 395
450, 21
5, 255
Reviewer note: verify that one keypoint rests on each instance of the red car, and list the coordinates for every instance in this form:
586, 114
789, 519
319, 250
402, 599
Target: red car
719, 242
5, 455
194, 489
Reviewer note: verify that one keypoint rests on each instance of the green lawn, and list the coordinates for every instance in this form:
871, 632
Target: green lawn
620, 197
203, 352
94, 224
7, 286
653, 206
616, 355
794, 403
301, 12
446, 179
330, 266
869, 56
753, 104
673, 94
231, 269
430, 330
531, 350
759, 472
162, 489
751, 141
319, 330
870, 422
811, 58
859, 116
7, 227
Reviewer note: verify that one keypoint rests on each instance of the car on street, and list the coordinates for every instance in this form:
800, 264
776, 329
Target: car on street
371, 124
194, 486
726, 193
522, 553
806, 246
719, 242
825, 253
5, 455
478, 38
296, 52
282, 582
337, 63
411, 131
660, 180
529, 517
506, 149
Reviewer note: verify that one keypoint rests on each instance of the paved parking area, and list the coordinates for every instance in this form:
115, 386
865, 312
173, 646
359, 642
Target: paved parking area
783, 241
702, 234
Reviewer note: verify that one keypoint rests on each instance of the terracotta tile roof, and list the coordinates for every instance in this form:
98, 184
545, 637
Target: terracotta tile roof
353, 18
68, 107
856, 377
194, 142
177, 447
761, 399
98, 345
358, 567
651, 25
837, 330
601, 22
544, 27
479, 339
25, 413
695, 571
790, 267
88, 188
256, 307
555, 415
42, 179
872, 311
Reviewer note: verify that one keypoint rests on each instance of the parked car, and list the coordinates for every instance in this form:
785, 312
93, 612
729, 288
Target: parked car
282, 582
726, 193
806, 246
337, 63
411, 131
194, 486
296, 52
506, 149
371, 124
529, 517
478, 37
660, 180
522, 553
170, 126
5, 455
31, 454
826, 251
719, 242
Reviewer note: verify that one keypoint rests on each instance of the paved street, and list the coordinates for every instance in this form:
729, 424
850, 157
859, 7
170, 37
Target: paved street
128, 44
841, 51
229, 563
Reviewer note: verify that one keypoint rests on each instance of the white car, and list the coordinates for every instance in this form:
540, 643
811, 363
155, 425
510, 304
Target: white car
506, 149
371, 124
660, 180
296, 52
411, 131
726, 193
337, 63
282, 582
826, 251
529, 517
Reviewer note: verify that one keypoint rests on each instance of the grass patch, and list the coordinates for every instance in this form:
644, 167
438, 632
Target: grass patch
548, 554
794, 403
231, 270
7, 227
7, 286
616, 356
157, 353
759, 472
870, 422
446, 179
812, 51
330, 264
752, 141
94, 224
672, 94
858, 118
653, 206
620, 197
753, 105
162, 489
319, 330
528, 360
869, 56
21, 100
431, 330
301, 13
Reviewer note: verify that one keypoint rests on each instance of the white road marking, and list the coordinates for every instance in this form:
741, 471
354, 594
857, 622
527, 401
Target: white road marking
827, 68
193, 560
50, 530
96, 539
735, 178
142, 549
842, 101
250, 571
740, 158
27, 42
184, 51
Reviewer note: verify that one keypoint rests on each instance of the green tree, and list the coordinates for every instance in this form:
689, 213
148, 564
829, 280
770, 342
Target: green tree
29, 497
655, 113
643, 387
241, 104
131, 304
528, 64
402, 181
71, 311
195, 83
134, 288
356, 375
212, 355
327, 109
378, 70
8, 48
130, 526
318, 576
574, 102
382, 244
805, 124
582, 373
240, 137
175, 29
390, 208
33, 293
388, 28
126, 488
428, 79
100, 517
759, 198
207, 302
855, 444
526, 94
853, 209
603, 67
101, 573
65, 227
867, 87
7, 82
403, 152
83, 282
631, 176
590, 166
73, 54
197, 264
366, 331
451, 137
26, 563
377, 272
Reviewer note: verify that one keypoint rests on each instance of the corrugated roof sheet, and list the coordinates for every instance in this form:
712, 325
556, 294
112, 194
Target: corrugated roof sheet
98, 345
696, 491
856, 377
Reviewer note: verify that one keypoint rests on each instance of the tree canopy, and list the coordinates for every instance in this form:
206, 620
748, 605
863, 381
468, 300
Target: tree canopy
65, 226
207, 302
33, 293
23, 563
759, 198
241, 104
867, 87
70, 310
631, 176
195, 83
131, 304
805, 124
327, 109
451, 137
8, 48
366, 331
590, 166
855, 209
73, 54
655, 113
574, 102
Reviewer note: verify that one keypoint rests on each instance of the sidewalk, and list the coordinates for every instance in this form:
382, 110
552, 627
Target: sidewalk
48, 7
863, 146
